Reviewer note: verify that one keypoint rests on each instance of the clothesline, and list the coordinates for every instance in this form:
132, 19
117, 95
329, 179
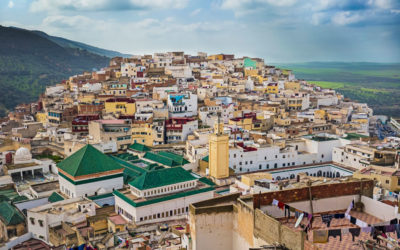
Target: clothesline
322, 236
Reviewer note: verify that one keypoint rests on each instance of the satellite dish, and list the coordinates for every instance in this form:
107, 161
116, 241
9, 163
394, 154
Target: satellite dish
299, 220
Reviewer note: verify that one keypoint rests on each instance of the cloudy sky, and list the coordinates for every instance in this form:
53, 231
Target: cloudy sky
276, 30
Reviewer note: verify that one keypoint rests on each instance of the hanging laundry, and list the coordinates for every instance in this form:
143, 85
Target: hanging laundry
327, 218
275, 202
366, 229
394, 221
390, 228
320, 236
338, 216
350, 207
353, 220
354, 232
398, 231
335, 232
292, 209
287, 211
281, 205
361, 223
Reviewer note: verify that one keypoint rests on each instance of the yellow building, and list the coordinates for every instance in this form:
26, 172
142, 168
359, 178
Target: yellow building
142, 133
86, 98
216, 57
320, 114
272, 88
248, 179
219, 153
41, 117
244, 123
116, 224
123, 106
282, 119
295, 86
386, 177
251, 72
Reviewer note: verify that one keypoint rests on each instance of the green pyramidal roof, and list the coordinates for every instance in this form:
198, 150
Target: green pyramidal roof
54, 197
139, 147
10, 215
162, 177
88, 160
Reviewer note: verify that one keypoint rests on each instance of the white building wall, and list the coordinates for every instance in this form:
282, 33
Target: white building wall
88, 189
160, 207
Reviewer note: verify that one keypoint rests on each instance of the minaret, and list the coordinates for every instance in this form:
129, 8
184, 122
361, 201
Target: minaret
219, 152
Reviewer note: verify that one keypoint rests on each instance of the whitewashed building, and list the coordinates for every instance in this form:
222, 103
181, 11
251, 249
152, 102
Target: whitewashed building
161, 195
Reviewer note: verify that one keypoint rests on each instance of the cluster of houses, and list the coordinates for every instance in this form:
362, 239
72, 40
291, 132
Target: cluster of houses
174, 151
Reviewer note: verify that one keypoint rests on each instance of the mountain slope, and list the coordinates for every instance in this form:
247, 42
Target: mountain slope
78, 45
30, 62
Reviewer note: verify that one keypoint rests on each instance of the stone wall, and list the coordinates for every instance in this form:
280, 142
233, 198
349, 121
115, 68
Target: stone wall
271, 230
317, 191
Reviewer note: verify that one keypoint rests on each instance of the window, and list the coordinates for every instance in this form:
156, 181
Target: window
283, 164
259, 166
32, 220
251, 162
267, 166
275, 165
387, 181
40, 223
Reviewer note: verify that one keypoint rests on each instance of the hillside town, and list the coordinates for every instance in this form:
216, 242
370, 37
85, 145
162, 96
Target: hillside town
176, 151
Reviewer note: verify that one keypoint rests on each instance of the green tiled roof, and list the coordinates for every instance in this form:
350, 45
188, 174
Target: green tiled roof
130, 171
127, 157
161, 159
207, 181
8, 194
177, 158
163, 198
352, 136
205, 159
88, 160
10, 215
54, 197
139, 147
163, 177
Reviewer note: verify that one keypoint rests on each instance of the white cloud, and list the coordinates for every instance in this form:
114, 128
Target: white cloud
195, 12
346, 18
10, 4
243, 6
105, 5
381, 4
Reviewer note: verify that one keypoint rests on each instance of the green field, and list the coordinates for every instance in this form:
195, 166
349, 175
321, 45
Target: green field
377, 84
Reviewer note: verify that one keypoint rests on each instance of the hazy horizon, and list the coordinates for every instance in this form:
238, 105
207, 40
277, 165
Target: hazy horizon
286, 31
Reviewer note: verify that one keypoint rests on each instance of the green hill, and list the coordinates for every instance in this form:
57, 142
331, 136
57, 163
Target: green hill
377, 84
78, 45
29, 62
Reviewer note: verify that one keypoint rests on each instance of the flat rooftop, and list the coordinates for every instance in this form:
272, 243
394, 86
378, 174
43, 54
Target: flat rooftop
45, 187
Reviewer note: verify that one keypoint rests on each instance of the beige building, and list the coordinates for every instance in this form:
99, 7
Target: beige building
111, 130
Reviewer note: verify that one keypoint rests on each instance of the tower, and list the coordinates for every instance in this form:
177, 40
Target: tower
219, 152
